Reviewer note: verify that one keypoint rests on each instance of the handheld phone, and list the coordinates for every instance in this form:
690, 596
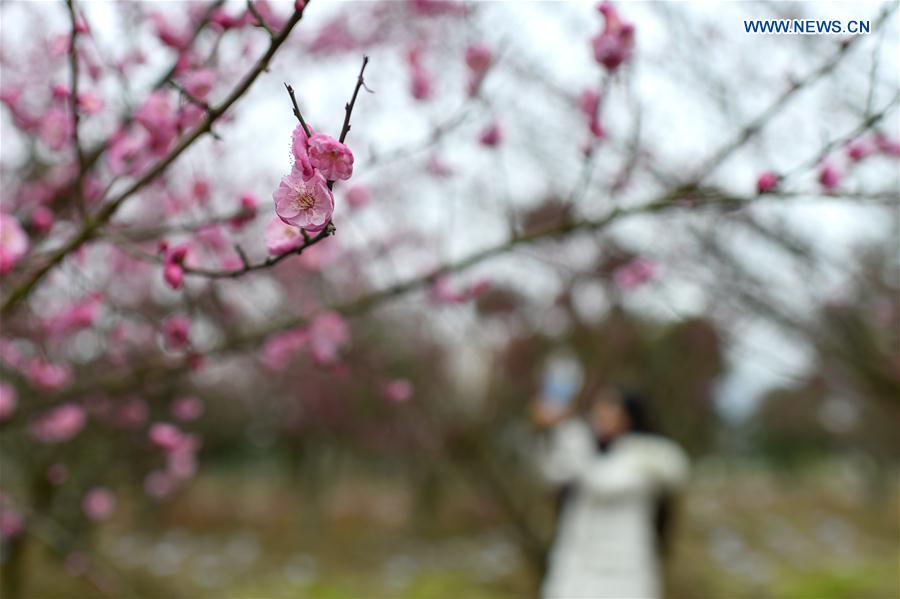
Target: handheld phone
563, 377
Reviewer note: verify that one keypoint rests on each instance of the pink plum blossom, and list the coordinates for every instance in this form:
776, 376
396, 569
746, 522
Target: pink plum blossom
200, 83
888, 147
167, 436
42, 220
328, 334
176, 332
8, 401
615, 44
59, 424
300, 151
829, 177
90, 103
247, 213
98, 504
187, 409
282, 237
766, 182
279, 349
77, 316
397, 390
421, 87
56, 129
13, 242
635, 273
157, 115
330, 157
47, 375
358, 196
174, 258
491, 136
478, 59
306, 204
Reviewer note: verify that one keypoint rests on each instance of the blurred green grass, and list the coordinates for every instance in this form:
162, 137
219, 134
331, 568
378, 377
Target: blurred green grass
742, 531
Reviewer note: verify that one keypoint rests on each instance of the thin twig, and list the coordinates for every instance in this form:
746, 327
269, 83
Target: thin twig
262, 22
73, 101
297, 113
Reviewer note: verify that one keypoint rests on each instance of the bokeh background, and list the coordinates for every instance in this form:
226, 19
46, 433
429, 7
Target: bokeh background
492, 221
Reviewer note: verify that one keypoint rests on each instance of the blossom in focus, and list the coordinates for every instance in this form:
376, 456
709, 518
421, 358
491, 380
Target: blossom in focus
176, 332
282, 237
307, 204
8, 401
13, 242
300, 150
98, 504
766, 182
615, 44
328, 334
397, 390
829, 176
330, 157
635, 273
59, 424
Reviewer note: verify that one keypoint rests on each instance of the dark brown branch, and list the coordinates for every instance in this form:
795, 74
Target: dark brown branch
348, 108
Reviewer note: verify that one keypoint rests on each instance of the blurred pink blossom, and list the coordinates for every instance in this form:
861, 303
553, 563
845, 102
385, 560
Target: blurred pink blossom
98, 504
8, 401
615, 44
176, 332
59, 424
13, 242
766, 182
280, 348
328, 334
358, 196
491, 136
187, 409
397, 390
282, 237
829, 176
635, 273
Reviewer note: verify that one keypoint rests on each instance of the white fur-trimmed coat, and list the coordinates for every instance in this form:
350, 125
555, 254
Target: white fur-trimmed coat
605, 545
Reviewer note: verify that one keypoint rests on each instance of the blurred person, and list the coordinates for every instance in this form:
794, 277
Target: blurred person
616, 480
